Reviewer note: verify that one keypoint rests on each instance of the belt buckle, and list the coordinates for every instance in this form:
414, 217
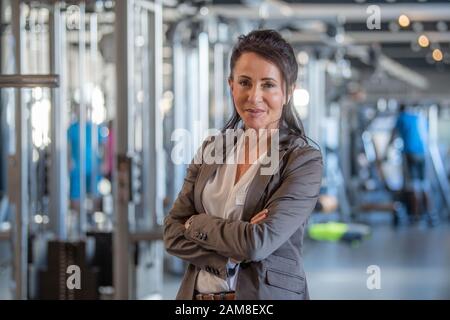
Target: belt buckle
209, 296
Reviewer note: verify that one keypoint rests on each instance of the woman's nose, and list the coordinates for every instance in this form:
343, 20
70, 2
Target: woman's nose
255, 95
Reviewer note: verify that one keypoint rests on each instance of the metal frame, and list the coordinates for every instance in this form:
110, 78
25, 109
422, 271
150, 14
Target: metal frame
219, 76
93, 40
153, 184
351, 12
29, 80
82, 222
59, 169
191, 98
203, 79
17, 167
124, 144
18, 159
316, 87
180, 98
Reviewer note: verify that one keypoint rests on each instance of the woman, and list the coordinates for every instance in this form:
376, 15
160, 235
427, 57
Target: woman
240, 229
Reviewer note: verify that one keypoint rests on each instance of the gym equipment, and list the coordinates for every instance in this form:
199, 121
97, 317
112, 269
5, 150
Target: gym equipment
54, 281
337, 231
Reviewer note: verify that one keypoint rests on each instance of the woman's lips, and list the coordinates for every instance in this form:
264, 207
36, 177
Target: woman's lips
254, 113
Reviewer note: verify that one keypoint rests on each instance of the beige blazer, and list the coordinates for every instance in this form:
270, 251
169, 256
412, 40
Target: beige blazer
271, 251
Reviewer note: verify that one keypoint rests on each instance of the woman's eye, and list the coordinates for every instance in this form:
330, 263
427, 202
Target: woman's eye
244, 83
268, 85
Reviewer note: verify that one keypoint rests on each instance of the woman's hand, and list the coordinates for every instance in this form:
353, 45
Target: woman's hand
188, 222
260, 216
257, 218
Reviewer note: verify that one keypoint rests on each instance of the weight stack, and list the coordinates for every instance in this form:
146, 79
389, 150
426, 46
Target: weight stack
53, 282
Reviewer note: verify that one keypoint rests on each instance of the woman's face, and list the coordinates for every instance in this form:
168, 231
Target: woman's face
257, 89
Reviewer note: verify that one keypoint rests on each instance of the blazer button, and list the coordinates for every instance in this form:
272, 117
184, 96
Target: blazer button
204, 236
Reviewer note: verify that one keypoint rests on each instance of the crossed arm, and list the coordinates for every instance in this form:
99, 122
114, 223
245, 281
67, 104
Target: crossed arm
175, 225
288, 208
174, 240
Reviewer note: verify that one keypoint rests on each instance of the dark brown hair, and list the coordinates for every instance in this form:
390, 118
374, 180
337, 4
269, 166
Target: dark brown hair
270, 45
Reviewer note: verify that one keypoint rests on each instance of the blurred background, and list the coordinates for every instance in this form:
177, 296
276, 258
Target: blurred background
95, 95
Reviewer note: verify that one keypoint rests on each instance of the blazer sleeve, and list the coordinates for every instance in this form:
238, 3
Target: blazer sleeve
289, 207
175, 241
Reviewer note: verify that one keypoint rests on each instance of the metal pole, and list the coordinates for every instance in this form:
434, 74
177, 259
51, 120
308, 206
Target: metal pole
124, 144
18, 171
148, 175
180, 110
82, 119
59, 170
94, 130
29, 80
156, 154
157, 161
203, 80
219, 78
192, 98
316, 108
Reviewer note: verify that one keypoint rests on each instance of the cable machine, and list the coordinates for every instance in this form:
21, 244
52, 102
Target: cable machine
62, 70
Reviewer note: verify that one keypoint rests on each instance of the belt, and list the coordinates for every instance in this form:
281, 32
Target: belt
215, 296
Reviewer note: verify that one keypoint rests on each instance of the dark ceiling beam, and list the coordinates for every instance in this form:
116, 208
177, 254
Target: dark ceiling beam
350, 12
370, 37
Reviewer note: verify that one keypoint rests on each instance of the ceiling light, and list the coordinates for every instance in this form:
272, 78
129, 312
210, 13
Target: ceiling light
423, 41
437, 55
403, 21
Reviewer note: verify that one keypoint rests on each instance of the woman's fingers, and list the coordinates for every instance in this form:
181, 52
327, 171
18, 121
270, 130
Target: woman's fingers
259, 216
258, 220
261, 213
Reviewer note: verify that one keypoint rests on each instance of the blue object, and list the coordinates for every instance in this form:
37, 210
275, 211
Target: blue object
73, 136
412, 129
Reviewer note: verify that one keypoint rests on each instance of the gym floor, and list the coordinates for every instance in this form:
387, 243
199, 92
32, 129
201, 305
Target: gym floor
414, 263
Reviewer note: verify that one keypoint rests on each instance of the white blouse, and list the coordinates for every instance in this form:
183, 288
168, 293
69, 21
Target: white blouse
222, 198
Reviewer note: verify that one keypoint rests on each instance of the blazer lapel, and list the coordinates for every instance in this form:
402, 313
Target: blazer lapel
206, 171
256, 191
256, 188
260, 182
